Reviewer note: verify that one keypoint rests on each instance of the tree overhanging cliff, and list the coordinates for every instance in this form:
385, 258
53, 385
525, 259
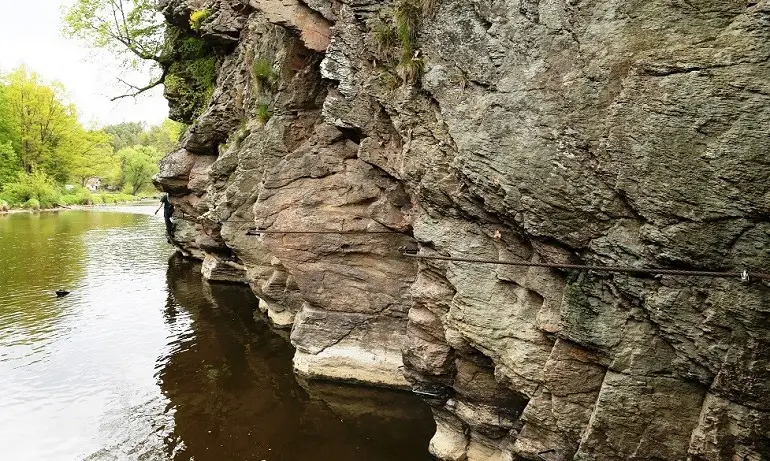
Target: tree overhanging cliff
614, 132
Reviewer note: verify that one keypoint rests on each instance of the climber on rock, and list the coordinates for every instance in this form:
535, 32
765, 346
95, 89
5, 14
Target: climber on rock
168, 210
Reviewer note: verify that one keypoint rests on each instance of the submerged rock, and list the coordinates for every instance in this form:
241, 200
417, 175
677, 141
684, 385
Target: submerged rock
565, 132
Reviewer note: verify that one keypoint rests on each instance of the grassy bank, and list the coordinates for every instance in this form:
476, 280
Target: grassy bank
80, 196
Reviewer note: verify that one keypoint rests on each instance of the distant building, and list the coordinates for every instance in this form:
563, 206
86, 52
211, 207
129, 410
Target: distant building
93, 184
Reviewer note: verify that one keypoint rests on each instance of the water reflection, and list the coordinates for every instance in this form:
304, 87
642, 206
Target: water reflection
235, 395
145, 361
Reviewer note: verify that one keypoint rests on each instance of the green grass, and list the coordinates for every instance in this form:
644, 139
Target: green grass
386, 39
407, 16
396, 40
263, 113
264, 75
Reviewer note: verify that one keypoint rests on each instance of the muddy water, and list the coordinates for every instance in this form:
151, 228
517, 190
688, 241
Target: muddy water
145, 361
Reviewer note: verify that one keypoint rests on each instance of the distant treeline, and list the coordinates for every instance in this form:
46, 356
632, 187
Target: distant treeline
47, 156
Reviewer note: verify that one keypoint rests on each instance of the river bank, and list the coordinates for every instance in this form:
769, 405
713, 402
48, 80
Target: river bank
137, 201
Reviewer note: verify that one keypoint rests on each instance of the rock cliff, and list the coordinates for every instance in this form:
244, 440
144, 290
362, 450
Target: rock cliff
607, 132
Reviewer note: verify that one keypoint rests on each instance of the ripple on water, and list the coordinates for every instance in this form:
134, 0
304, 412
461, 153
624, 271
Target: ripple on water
144, 362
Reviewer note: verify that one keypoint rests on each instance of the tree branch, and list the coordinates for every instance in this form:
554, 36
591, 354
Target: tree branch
140, 90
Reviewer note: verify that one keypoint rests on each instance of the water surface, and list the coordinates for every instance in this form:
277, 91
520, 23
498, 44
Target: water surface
145, 361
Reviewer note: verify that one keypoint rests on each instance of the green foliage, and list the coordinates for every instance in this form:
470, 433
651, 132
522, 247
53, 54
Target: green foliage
386, 38
9, 163
125, 134
190, 80
163, 137
77, 196
140, 163
32, 204
396, 40
197, 17
43, 146
263, 113
133, 30
8, 131
407, 16
263, 73
35, 186
46, 131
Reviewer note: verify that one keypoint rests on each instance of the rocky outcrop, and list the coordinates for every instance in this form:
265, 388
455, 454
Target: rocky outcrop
608, 133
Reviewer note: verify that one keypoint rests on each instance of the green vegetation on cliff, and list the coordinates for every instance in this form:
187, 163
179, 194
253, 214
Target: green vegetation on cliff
395, 38
191, 74
174, 54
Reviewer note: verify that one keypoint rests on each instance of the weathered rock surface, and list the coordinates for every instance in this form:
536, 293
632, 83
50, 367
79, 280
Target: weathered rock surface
615, 132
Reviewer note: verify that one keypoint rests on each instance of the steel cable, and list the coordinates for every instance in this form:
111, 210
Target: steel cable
745, 275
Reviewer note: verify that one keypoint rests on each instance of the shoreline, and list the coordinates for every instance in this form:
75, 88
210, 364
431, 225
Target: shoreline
74, 207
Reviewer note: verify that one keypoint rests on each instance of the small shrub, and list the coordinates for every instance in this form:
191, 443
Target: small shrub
263, 73
36, 185
197, 17
263, 113
32, 204
79, 195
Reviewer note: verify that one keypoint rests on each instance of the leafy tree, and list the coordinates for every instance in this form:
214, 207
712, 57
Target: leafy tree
125, 134
174, 55
93, 156
7, 128
43, 122
140, 163
163, 137
132, 29
9, 163
42, 144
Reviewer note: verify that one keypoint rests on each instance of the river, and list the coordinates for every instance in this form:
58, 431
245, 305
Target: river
143, 360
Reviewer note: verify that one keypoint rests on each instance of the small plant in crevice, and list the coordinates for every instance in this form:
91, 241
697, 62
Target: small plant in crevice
263, 113
385, 38
396, 39
263, 74
408, 14
197, 17
461, 80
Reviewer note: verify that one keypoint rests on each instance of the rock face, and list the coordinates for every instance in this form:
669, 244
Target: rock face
610, 133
